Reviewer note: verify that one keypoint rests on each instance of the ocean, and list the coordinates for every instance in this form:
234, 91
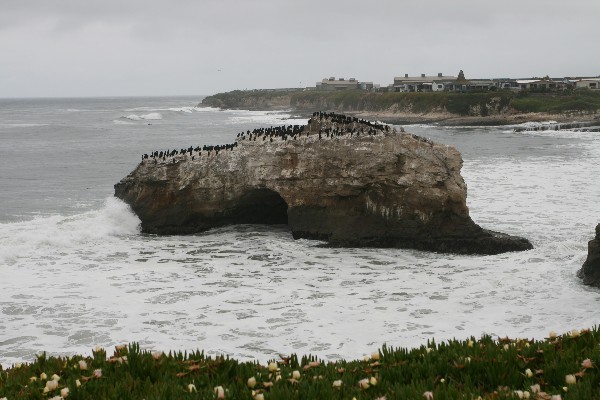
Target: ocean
76, 273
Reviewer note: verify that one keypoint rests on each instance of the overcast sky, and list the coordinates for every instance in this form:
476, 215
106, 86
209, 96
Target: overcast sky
65, 48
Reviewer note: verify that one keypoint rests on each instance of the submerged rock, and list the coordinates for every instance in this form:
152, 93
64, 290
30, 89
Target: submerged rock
346, 181
590, 271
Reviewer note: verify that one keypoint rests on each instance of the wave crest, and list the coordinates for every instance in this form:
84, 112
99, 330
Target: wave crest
47, 236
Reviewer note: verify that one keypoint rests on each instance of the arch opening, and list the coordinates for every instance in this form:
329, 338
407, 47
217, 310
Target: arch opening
260, 206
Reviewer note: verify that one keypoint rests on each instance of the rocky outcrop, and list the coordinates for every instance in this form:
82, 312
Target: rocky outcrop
590, 271
338, 179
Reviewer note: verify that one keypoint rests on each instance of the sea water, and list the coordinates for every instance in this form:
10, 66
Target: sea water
76, 273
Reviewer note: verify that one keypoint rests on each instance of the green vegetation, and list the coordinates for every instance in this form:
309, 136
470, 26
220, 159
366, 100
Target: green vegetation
488, 369
556, 103
473, 103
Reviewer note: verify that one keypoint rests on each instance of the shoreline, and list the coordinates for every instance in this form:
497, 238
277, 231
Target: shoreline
448, 119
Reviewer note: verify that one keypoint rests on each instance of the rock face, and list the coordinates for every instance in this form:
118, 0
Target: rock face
590, 271
341, 180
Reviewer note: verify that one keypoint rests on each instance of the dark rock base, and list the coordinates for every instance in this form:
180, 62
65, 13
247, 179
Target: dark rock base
590, 271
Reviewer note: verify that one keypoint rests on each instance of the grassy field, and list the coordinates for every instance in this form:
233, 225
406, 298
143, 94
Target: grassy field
559, 367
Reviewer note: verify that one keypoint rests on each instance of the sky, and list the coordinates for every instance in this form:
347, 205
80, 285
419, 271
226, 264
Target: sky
86, 48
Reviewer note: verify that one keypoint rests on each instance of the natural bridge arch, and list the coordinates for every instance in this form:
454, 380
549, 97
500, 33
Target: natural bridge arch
259, 206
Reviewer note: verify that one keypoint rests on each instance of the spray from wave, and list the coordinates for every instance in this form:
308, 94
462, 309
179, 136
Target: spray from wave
46, 236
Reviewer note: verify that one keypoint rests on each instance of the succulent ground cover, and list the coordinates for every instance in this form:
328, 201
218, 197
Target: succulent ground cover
558, 367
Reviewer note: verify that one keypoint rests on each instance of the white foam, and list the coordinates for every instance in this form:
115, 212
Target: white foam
55, 234
143, 117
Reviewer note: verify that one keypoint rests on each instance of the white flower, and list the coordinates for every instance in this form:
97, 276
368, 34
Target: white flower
575, 333
51, 385
220, 392
55, 378
120, 347
506, 346
535, 388
251, 382
4, 398
56, 398
259, 396
442, 380
528, 373
98, 373
556, 397
570, 379
64, 392
157, 355
552, 335
18, 365
470, 343
98, 349
363, 383
519, 393
191, 388
296, 374
33, 379
272, 367
526, 394
373, 381
337, 384
428, 395
82, 364
375, 355
565, 389
77, 383
428, 349
43, 375
587, 363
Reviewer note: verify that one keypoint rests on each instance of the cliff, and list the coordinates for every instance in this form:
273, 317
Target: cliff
450, 108
590, 271
339, 179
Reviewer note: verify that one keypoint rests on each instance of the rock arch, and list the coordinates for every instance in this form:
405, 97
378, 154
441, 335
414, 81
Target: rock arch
259, 206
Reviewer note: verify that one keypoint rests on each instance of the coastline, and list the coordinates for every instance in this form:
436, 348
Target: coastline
448, 119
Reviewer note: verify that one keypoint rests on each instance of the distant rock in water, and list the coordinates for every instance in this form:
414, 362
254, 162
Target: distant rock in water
349, 182
590, 271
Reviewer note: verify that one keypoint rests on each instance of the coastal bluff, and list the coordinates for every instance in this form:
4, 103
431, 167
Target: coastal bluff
590, 271
349, 182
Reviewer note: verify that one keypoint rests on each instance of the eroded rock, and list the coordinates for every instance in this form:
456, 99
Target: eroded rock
590, 271
350, 184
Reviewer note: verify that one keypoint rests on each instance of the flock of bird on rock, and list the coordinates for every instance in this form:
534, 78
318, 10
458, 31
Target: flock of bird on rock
332, 125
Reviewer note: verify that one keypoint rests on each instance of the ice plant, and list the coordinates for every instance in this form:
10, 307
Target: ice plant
43, 376
337, 384
587, 363
272, 367
55, 378
77, 383
220, 392
259, 396
98, 373
428, 395
470, 343
64, 392
251, 382
375, 356
575, 333
528, 373
364, 383
552, 335
191, 388
157, 355
296, 374
570, 379
373, 381
82, 364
